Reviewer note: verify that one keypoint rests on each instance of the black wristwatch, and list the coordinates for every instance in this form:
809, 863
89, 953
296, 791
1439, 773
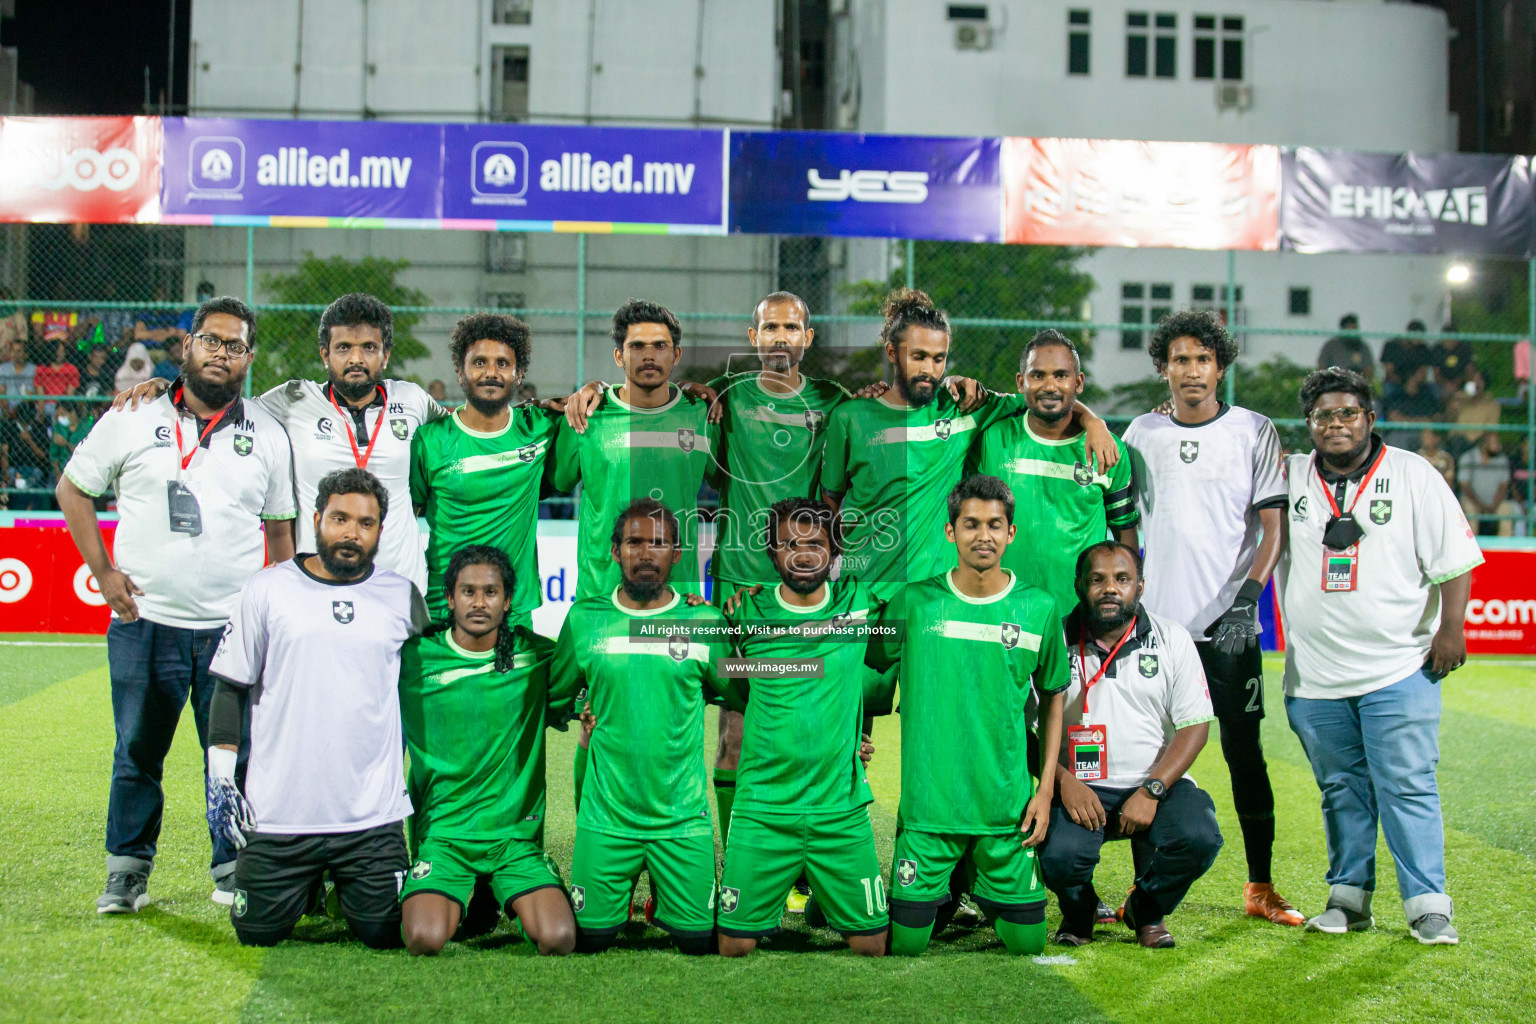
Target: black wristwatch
1155, 789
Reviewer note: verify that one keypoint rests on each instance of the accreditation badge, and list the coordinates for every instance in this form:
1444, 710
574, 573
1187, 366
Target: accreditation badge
1341, 569
1090, 749
185, 514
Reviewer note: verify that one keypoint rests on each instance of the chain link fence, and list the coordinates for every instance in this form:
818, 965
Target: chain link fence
86, 310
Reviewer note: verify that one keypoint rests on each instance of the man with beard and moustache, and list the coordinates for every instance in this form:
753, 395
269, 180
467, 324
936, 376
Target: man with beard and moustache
198, 473
1136, 717
314, 651
972, 645
1374, 587
1211, 492
802, 801
645, 660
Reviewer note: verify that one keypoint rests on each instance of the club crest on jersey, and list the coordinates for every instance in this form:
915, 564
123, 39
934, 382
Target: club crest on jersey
527, 452
906, 871
686, 439
421, 869
729, 899
1381, 511
243, 444
941, 429
814, 418
1189, 451
1081, 474
677, 646
400, 428
341, 611
578, 898
1299, 510
242, 903
1148, 665
1010, 633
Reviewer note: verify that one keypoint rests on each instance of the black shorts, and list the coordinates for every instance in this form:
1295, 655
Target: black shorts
274, 875
1236, 682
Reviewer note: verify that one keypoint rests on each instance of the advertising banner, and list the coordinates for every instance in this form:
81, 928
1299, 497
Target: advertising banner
45, 586
604, 177
877, 186
305, 169
80, 170
1335, 200
1177, 195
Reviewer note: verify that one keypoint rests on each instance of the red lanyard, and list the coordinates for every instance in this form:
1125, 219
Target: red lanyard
1328, 491
360, 457
1082, 659
186, 460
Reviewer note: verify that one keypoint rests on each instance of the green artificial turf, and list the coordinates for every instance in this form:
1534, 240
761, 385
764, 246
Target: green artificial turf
178, 959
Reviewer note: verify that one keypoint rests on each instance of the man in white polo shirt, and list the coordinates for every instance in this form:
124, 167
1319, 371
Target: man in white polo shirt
315, 651
1136, 716
197, 472
1374, 585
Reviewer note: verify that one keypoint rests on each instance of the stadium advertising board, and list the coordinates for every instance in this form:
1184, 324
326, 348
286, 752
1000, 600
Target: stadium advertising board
1501, 615
80, 170
1177, 195
879, 186
1335, 200
219, 169
534, 175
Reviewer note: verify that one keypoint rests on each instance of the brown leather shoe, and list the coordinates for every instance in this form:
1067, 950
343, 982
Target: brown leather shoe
1066, 938
1154, 936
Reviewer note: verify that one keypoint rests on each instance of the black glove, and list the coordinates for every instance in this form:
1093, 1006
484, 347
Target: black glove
1238, 627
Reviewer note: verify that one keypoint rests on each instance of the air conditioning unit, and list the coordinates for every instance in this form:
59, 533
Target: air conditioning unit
1234, 96
972, 36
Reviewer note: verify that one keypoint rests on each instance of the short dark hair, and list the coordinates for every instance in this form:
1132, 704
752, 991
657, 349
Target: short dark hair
1417, 326
351, 481
1050, 336
908, 307
502, 327
1201, 324
645, 507
1349, 321
644, 311
484, 554
984, 488
357, 309
225, 304
802, 510
781, 296
1335, 378
1085, 559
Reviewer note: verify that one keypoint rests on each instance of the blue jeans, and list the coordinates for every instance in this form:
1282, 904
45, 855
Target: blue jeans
1374, 758
154, 669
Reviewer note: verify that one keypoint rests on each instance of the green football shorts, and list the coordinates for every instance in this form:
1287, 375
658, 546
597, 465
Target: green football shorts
767, 852
997, 867
450, 867
682, 869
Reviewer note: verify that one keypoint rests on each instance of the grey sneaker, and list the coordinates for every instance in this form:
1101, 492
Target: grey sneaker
224, 891
1434, 930
1337, 920
126, 893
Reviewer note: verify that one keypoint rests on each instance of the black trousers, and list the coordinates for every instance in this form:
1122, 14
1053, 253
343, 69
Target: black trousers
1178, 848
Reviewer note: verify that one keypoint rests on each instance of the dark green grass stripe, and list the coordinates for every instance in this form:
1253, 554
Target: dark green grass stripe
26, 670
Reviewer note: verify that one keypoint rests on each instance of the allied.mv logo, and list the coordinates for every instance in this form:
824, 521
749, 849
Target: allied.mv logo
400, 428
578, 898
341, 611
941, 429
1189, 451
242, 903
677, 646
906, 871
686, 439
527, 452
1148, 665
243, 444
1010, 635
421, 869
729, 899
1381, 511
1081, 474
814, 419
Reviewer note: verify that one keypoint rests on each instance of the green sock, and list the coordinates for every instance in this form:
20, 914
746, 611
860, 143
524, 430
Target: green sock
909, 941
580, 772
725, 796
1021, 939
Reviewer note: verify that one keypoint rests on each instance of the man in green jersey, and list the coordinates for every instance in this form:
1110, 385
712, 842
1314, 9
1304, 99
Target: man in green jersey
474, 701
802, 802
1063, 501
644, 659
977, 639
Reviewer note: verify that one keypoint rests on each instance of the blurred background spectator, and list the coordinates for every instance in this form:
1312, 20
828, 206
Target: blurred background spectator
1453, 361
1352, 353
136, 368
97, 379
24, 440
1443, 461
16, 373
169, 365
439, 391
1401, 358
1470, 403
59, 377
1484, 474
1415, 401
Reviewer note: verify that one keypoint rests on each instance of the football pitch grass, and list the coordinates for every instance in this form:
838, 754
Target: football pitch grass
178, 958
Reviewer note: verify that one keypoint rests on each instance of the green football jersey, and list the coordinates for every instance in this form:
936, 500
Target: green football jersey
800, 740
476, 737
1061, 503
645, 764
966, 666
895, 467
628, 453
483, 488
770, 449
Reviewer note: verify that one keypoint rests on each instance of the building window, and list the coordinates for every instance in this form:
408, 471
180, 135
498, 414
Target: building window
511, 12
1142, 304
1077, 42
1205, 46
1136, 44
1166, 47
506, 252
509, 83
1209, 296
1230, 50
1301, 301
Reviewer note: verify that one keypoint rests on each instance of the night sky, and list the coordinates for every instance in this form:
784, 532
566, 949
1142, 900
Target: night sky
88, 56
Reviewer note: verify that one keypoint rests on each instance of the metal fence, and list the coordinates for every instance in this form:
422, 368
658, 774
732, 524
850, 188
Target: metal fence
83, 297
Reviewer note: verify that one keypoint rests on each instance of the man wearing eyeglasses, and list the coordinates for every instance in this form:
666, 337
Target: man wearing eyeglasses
198, 474
1374, 583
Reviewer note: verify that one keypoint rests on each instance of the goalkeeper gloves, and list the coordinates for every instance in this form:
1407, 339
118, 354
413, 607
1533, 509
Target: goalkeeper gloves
229, 815
1238, 627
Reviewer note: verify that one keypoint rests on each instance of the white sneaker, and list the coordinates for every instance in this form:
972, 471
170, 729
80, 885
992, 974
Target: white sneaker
1434, 930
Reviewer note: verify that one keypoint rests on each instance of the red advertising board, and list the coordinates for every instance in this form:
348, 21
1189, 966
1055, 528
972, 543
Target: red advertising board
45, 586
91, 170
1501, 616
1116, 192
